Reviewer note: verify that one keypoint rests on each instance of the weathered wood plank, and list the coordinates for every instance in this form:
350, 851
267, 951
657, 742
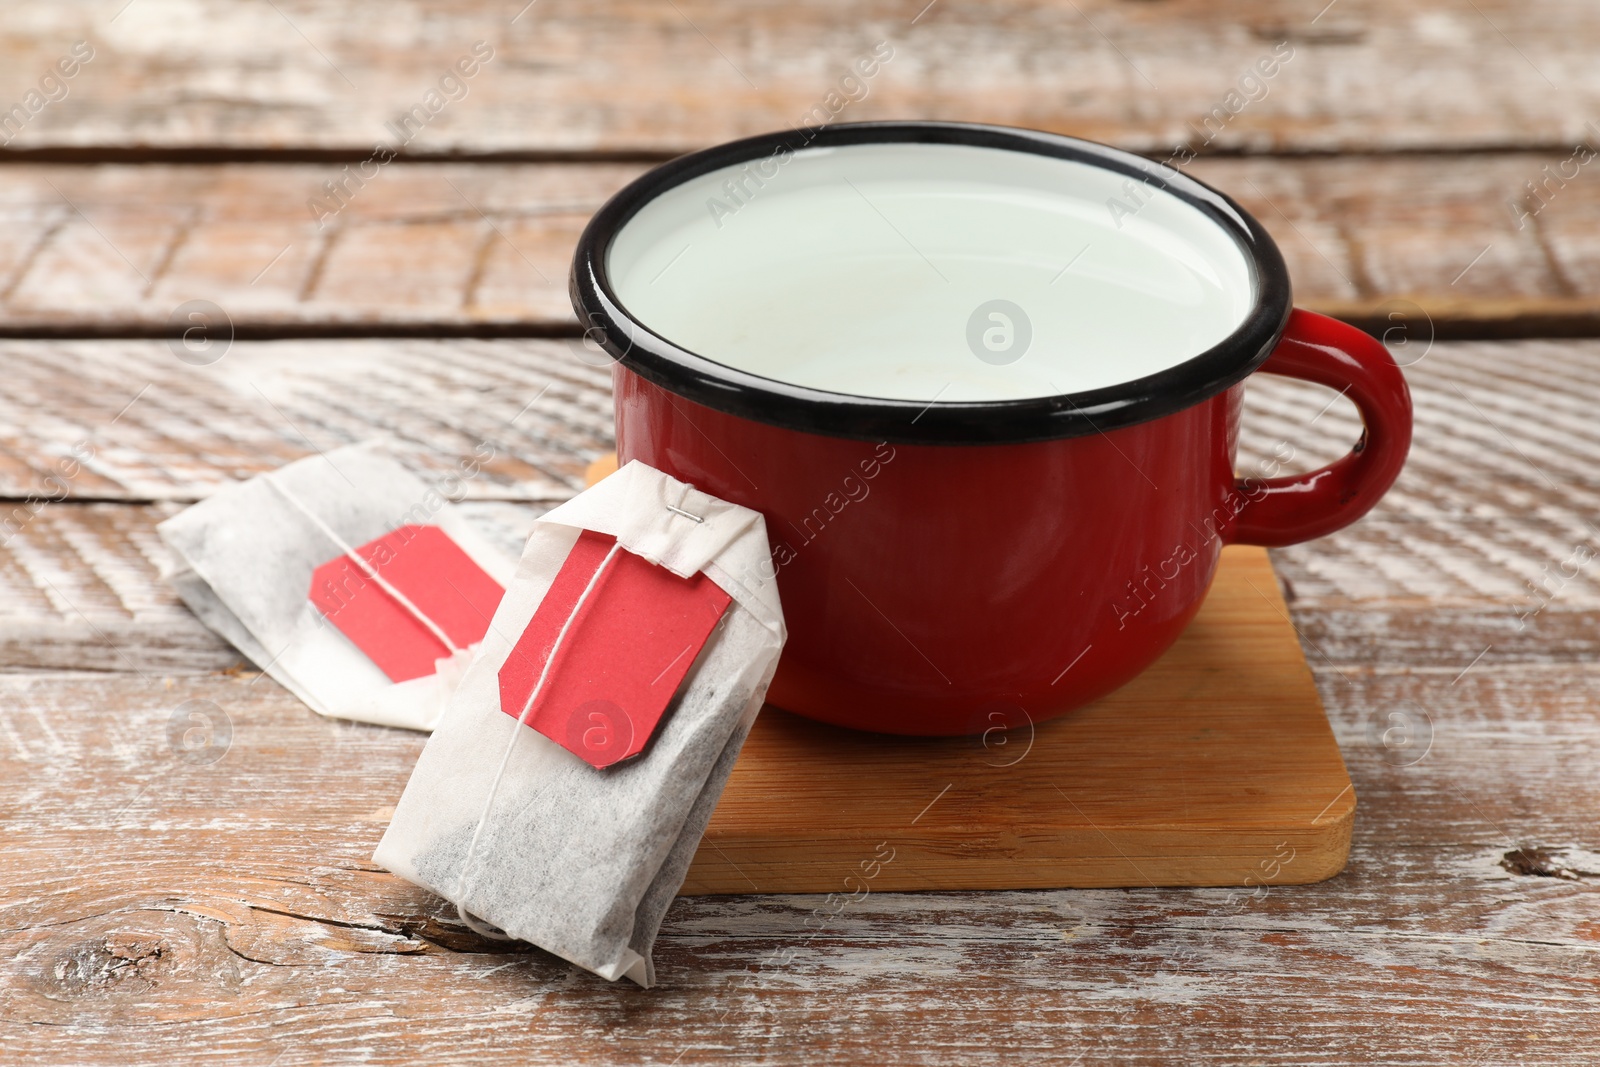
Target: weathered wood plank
1457, 238
1488, 538
149, 426
630, 75
229, 910
159, 428
1491, 534
452, 244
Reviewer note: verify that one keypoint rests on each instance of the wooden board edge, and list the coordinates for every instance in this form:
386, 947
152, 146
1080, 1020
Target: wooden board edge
1086, 859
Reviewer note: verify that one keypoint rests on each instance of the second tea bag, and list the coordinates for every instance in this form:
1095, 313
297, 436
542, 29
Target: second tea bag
563, 795
345, 577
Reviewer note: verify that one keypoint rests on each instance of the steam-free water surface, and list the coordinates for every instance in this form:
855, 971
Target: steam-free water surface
931, 272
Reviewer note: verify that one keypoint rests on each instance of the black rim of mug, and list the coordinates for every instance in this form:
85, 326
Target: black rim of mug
636, 347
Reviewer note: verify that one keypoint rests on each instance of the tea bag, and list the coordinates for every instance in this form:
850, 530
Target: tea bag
563, 795
346, 578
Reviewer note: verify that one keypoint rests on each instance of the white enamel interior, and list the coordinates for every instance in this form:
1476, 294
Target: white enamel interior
857, 269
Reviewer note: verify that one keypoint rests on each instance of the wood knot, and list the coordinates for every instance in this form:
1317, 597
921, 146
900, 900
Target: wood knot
1539, 863
103, 962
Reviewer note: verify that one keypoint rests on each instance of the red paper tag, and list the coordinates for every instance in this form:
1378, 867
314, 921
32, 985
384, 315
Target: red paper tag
622, 658
431, 571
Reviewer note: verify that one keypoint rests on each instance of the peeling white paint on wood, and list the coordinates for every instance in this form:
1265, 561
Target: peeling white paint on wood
626, 74
459, 244
1491, 500
156, 428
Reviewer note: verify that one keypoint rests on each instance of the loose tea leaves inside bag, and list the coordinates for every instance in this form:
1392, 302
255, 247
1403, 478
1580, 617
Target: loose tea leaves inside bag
346, 578
563, 795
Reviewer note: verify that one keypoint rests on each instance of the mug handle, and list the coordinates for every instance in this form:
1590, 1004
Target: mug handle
1286, 511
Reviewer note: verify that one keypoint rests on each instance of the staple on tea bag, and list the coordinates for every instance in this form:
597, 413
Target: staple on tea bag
246, 559
519, 831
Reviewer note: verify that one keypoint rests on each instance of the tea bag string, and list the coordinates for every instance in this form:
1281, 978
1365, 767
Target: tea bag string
350, 553
505, 760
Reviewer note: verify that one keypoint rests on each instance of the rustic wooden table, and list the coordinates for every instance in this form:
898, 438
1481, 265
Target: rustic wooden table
164, 901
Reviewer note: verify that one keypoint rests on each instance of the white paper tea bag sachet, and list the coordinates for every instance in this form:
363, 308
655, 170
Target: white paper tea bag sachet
346, 578
562, 797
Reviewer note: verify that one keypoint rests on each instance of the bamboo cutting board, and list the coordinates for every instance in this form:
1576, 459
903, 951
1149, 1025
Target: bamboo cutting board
1215, 767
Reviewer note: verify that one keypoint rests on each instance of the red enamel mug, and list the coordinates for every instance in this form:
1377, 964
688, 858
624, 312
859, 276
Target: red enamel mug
984, 384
